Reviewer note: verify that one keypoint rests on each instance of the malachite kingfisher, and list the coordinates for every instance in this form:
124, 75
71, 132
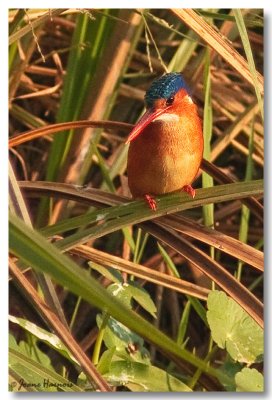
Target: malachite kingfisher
166, 145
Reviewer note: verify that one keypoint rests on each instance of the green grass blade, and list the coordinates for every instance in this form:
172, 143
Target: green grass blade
207, 180
34, 250
245, 212
246, 43
200, 310
18, 207
183, 324
33, 373
135, 212
16, 201
184, 53
82, 63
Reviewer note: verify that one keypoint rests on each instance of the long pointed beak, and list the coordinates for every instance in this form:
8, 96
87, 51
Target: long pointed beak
145, 120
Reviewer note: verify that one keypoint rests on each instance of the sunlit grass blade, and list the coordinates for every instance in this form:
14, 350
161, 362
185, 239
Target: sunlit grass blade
135, 212
218, 43
207, 180
244, 37
64, 334
62, 126
183, 324
215, 238
245, 212
18, 207
81, 66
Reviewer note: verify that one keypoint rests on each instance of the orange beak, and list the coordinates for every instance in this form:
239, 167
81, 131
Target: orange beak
145, 120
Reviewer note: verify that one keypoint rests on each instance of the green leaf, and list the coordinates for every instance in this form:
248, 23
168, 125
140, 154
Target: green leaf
119, 290
118, 335
33, 249
47, 337
141, 296
230, 369
109, 273
232, 328
31, 350
140, 377
183, 324
105, 360
122, 339
249, 380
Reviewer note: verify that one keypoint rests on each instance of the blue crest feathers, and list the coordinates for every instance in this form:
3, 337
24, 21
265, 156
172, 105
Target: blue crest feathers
164, 87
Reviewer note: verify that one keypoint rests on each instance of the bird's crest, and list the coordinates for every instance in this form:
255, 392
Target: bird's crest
164, 87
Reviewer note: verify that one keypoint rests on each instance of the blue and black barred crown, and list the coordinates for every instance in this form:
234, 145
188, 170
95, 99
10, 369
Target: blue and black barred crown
164, 87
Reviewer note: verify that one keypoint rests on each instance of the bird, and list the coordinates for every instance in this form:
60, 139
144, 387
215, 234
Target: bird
166, 144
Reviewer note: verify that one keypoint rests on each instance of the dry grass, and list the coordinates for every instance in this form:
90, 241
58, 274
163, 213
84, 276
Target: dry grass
77, 82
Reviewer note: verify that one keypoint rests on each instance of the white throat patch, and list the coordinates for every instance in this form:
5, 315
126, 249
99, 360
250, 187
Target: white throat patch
188, 98
167, 117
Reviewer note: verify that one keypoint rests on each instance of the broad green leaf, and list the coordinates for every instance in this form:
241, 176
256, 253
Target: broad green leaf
141, 296
249, 380
140, 377
109, 273
131, 290
123, 340
47, 337
105, 360
119, 290
232, 328
230, 369
118, 335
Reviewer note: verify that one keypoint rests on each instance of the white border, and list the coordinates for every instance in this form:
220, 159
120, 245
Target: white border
4, 174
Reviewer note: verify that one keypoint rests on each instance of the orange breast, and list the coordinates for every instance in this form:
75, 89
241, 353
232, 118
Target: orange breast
166, 156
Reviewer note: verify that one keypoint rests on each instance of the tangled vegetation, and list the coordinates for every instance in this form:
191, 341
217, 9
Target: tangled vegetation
106, 294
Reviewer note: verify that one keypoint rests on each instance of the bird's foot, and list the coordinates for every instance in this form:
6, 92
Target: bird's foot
190, 190
151, 202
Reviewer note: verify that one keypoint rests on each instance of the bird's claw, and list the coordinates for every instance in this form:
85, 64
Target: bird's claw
190, 190
151, 202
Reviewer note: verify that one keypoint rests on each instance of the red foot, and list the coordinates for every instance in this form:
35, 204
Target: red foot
151, 202
190, 190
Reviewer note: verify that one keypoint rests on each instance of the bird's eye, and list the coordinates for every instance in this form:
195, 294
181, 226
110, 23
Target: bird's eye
170, 100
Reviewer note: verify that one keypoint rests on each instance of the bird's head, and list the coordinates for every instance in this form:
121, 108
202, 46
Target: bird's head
162, 100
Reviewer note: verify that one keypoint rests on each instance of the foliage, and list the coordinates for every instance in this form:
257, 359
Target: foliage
134, 303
